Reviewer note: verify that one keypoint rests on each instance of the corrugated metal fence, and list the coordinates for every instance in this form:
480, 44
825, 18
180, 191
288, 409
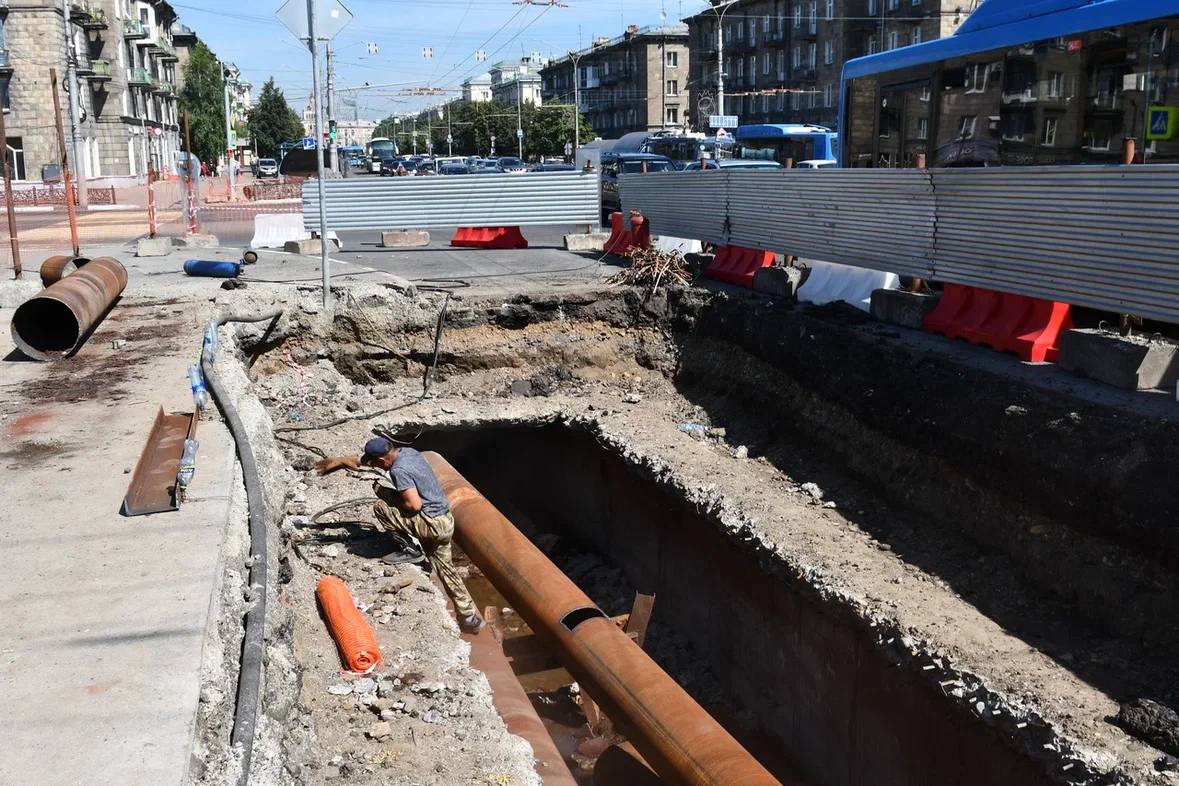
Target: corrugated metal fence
520, 199
1104, 237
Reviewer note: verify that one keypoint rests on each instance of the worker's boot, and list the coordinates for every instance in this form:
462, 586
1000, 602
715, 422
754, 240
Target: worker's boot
406, 553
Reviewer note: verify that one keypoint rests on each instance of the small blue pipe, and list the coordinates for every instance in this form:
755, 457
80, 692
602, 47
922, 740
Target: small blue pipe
213, 268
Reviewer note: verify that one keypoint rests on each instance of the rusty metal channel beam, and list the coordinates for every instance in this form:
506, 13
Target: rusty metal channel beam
53, 323
673, 733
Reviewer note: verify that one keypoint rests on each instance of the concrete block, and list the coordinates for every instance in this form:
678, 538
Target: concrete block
594, 241
1131, 362
405, 238
897, 307
777, 281
154, 247
197, 241
310, 246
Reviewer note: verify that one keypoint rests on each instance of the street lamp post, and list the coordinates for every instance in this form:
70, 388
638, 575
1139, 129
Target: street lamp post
719, 12
519, 117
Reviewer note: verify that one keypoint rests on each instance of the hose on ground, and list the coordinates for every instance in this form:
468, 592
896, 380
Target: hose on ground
245, 713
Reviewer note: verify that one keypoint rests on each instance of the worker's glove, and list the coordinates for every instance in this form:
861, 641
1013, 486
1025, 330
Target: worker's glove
324, 466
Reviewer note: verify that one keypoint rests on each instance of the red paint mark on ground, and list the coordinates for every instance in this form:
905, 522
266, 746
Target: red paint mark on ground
98, 687
23, 426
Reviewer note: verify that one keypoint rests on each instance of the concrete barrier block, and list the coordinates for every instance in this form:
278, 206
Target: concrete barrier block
405, 238
832, 283
777, 281
275, 230
593, 241
907, 309
197, 241
310, 246
1130, 362
154, 247
681, 244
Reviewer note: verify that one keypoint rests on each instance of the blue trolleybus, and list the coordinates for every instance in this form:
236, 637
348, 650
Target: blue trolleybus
1022, 82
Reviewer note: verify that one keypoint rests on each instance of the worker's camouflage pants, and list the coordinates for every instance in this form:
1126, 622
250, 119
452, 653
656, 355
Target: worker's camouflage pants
435, 534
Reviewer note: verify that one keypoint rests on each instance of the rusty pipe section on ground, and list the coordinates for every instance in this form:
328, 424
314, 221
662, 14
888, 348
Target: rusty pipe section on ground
54, 323
674, 734
56, 268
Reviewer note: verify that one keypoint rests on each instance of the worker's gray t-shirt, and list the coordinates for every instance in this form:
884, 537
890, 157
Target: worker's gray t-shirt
410, 470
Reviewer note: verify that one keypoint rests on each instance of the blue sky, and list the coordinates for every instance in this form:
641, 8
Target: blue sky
248, 34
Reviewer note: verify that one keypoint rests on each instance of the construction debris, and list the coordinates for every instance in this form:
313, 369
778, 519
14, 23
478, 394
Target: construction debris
650, 267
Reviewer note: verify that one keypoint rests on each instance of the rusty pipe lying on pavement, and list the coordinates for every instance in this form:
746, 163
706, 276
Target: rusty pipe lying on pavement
56, 268
680, 741
54, 322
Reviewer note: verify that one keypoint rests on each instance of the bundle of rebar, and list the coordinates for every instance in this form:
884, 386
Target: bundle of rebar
650, 267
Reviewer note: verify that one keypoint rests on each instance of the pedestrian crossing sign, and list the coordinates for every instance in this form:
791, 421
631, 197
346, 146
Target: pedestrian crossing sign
1164, 122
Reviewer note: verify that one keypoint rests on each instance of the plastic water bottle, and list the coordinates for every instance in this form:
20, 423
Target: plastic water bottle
209, 347
187, 468
200, 396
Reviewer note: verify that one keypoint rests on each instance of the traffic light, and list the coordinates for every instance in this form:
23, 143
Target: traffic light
332, 130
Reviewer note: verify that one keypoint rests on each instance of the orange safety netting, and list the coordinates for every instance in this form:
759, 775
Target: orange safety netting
353, 635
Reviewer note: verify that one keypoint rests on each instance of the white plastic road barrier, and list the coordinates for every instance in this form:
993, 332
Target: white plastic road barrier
681, 244
830, 283
274, 230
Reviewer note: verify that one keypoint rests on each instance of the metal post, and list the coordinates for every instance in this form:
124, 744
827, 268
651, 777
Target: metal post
334, 153
323, 236
72, 82
65, 164
190, 200
663, 82
415, 135
143, 145
720, 61
229, 145
576, 104
519, 119
449, 133
8, 202
151, 201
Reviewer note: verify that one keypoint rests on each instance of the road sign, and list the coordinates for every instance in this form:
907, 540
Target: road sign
1164, 122
519, 133
308, 143
568, 148
330, 18
449, 139
722, 121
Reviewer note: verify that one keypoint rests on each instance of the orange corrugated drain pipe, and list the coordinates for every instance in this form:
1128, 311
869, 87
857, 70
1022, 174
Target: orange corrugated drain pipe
353, 635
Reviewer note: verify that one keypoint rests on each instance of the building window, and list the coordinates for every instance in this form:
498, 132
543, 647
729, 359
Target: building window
765, 24
740, 72
765, 62
873, 47
814, 15
830, 10
740, 36
812, 53
892, 4
966, 129
781, 65
923, 128
828, 94
915, 35
798, 15
894, 39
810, 100
925, 93
673, 59
1055, 84
828, 51
16, 157
976, 77
5, 97
673, 115
1049, 138
781, 102
795, 100
797, 61
765, 103
871, 7
673, 87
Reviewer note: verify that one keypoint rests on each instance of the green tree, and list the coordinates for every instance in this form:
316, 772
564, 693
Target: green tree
203, 99
272, 121
546, 129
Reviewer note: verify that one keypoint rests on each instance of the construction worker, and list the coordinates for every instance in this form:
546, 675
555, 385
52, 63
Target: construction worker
411, 505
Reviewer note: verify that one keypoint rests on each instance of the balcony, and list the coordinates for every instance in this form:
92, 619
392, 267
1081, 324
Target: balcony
134, 29
5, 63
95, 19
100, 71
139, 77
163, 88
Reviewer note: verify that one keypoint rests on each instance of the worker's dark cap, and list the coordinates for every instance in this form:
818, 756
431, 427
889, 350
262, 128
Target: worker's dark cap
377, 447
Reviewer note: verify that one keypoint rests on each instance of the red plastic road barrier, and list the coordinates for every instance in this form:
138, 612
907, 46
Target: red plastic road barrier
489, 237
736, 265
1029, 327
353, 635
621, 238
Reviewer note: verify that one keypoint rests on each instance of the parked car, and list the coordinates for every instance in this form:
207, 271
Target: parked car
489, 169
387, 165
817, 163
733, 163
615, 164
553, 166
510, 164
267, 167
455, 168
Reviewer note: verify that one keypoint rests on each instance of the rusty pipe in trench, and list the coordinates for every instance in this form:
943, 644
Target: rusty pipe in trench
52, 323
680, 741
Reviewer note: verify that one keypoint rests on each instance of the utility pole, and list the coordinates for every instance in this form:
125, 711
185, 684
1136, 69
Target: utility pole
323, 236
415, 135
72, 86
65, 163
576, 58
519, 116
229, 142
449, 133
331, 102
720, 56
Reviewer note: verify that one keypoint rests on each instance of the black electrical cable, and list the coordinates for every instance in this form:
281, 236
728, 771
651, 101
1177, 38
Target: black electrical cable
245, 711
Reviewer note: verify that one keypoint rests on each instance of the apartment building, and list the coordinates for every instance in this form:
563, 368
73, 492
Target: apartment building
477, 89
518, 81
783, 59
635, 82
124, 93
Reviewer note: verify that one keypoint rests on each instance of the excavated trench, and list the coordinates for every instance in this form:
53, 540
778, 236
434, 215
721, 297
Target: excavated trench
879, 566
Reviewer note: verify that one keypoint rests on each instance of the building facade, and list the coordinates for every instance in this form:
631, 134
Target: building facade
477, 89
635, 82
518, 81
783, 59
123, 93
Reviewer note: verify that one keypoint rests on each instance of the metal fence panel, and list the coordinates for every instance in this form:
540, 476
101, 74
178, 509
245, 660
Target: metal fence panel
520, 199
680, 204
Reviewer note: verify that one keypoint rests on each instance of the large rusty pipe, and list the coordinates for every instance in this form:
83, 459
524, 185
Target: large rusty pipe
54, 322
514, 706
56, 268
674, 734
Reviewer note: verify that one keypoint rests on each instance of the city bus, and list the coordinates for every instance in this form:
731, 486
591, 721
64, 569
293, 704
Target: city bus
377, 148
686, 149
1022, 83
788, 144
